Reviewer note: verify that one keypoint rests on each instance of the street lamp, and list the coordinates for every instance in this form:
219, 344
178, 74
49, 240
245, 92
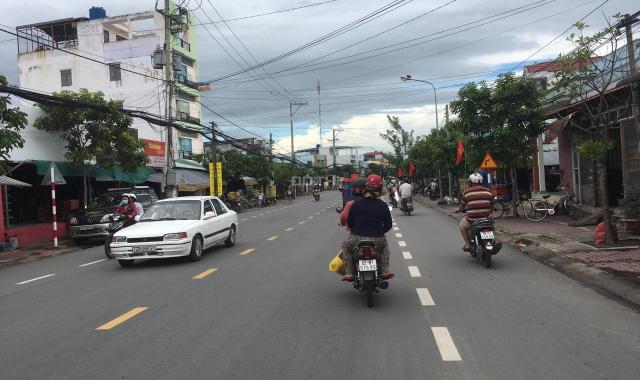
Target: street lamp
407, 78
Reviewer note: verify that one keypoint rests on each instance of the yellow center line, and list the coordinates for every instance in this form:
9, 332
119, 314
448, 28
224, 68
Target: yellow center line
123, 318
273, 237
247, 252
289, 229
301, 222
205, 273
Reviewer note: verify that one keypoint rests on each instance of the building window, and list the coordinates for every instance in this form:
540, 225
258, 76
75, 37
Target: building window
65, 78
114, 72
119, 104
105, 34
185, 147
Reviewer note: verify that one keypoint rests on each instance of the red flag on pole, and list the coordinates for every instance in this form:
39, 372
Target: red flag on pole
459, 152
412, 168
400, 173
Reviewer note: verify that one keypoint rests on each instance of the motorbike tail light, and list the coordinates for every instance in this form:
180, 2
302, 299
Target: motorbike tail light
366, 252
486, 229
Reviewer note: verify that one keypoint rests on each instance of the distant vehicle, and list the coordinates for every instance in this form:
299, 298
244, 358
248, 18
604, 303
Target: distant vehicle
176, 227
93, 222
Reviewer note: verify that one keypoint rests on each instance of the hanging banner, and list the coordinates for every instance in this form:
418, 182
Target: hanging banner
219, 175
212, 183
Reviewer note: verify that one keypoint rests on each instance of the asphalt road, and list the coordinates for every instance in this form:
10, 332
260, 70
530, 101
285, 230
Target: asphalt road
276, 312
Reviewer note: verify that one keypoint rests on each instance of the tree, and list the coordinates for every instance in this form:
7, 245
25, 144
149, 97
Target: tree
400, 140
503, 118
93, 135
586, 78
12, 121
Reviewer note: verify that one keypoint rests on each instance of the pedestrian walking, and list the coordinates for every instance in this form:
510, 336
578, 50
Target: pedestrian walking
260, 199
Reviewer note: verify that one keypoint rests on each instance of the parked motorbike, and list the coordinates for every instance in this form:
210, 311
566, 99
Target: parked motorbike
233, 205
116, 223
407, 206
483, 242
368, 278
270, 202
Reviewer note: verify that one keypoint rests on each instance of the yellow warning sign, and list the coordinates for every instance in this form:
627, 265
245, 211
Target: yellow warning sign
488, 162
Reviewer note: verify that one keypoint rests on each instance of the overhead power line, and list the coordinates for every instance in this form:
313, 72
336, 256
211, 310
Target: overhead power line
269, 13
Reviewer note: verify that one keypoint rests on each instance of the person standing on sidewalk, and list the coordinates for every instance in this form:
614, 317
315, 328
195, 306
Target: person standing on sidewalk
477, 203
261, 199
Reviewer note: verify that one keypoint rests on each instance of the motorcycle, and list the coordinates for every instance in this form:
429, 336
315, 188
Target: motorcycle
316, 195
392, 201
116, 223
434, 194
483, 242
233, 205
407, 206
368, 278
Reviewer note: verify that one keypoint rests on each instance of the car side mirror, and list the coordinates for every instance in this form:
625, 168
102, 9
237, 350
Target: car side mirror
209, 214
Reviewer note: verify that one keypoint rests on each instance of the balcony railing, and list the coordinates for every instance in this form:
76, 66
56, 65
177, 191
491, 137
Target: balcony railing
183, 44
184, 154
181, 78
184, 116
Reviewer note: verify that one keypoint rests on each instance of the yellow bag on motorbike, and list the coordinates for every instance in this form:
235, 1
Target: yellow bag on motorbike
336, 265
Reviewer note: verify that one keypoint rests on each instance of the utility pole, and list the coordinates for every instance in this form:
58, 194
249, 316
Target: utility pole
170, 177
626, 23
270, 147
214, 158
335, 166
319, 114
449, 174
293, 152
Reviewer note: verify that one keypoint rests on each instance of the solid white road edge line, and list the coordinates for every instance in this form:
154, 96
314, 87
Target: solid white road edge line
414, 271
93, 262
425, 297
407, 255
447, 348
35, 279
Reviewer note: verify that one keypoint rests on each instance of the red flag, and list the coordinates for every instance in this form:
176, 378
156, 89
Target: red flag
460, 152
400, 173
412, 168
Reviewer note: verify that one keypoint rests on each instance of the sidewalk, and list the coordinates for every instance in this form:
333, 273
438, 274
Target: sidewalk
612, 270
28, 254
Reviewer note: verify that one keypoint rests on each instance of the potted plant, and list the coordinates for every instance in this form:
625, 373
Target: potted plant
631, 208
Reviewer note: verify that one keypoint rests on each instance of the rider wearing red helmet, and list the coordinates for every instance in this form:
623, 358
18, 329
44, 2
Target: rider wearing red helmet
368, 219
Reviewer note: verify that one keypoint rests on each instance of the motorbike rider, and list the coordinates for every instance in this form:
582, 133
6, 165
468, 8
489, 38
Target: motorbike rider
139, 208
477, 200
393, 188
127, 209
405, 190
368, 219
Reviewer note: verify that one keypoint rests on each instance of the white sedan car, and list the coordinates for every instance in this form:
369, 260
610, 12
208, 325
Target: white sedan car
174, 227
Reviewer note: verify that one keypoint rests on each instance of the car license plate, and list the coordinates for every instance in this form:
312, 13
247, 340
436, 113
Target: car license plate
485, 235
143, 249
367, 265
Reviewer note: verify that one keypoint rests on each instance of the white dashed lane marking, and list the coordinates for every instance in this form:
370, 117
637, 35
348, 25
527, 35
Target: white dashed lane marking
91, 263
447, 348
35, 279
396, 228
414, 271
398, 235
407, 255
402, 243
425, 297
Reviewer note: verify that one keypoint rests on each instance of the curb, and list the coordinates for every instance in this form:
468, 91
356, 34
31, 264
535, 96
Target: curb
603, 282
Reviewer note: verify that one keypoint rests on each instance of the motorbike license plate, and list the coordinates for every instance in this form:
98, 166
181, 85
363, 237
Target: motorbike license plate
486, 235
143, 249
367, 265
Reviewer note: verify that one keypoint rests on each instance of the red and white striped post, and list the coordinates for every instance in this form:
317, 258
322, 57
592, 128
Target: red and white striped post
53, 207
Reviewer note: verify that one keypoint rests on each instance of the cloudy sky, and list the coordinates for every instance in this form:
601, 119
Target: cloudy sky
358, 64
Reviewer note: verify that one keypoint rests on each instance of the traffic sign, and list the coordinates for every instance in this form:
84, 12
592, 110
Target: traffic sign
488, 162
59, 179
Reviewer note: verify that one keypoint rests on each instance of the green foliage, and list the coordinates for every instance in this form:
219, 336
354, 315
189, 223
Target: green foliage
400, 140
631, 203
90, 134
12, 121
595, 149
503, 118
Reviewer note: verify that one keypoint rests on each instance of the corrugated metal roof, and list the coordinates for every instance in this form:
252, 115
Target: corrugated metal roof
6, 181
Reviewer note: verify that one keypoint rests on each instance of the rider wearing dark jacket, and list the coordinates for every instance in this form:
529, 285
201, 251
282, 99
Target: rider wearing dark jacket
368, 219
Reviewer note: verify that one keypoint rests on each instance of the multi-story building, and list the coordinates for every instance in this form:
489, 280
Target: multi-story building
322, 157
122, 49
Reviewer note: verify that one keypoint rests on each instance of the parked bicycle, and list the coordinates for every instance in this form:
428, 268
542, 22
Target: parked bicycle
503, 205
537, 210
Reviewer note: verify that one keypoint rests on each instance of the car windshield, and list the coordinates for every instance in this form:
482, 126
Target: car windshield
107, 200
173, 210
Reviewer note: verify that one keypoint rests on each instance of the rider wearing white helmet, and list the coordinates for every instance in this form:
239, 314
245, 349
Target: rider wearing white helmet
477, 200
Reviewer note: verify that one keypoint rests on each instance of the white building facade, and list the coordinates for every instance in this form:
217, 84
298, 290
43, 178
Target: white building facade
123, 47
